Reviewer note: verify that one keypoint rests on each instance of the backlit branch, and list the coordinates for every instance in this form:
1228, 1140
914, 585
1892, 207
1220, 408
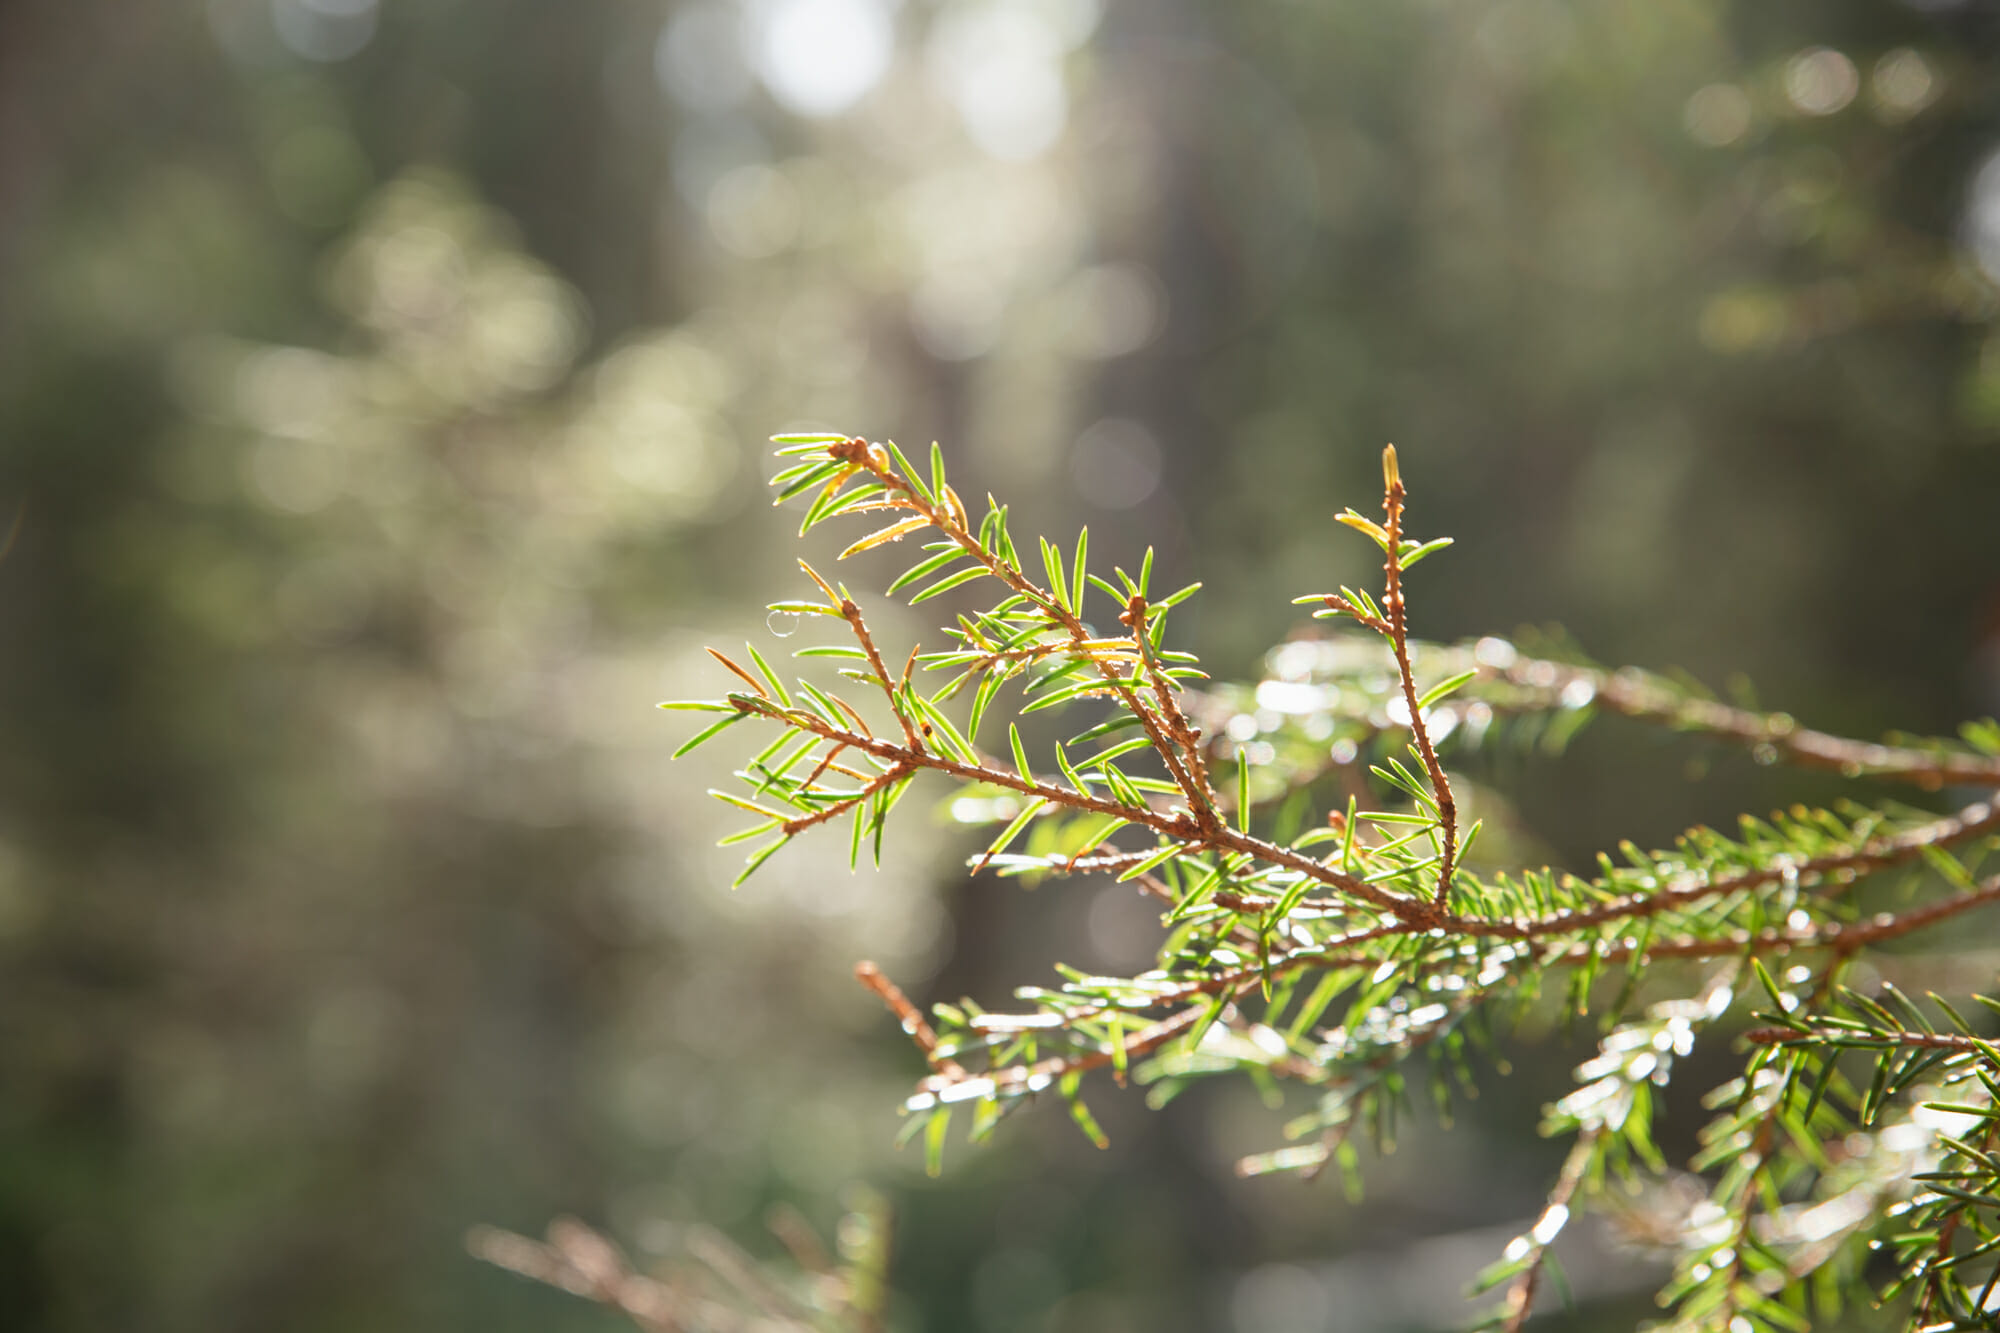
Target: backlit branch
1335, 940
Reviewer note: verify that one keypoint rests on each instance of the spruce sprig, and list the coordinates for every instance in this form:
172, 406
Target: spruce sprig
1345, 943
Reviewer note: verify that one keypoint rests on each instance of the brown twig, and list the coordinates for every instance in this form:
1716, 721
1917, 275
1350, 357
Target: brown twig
578, 1260
1643, 696
800, 823
1174, 718
1521, 1292
1974, 820
1930, 1041
1759, 1157
1947, 1233
907, 1014
1177, 825
1844, 938
1397, 614
852, 614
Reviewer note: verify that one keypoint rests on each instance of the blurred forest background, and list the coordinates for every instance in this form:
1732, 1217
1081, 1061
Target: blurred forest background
383, 395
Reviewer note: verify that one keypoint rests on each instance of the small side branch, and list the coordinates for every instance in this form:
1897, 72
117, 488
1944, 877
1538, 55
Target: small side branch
798, 825
1646, 697
852, 615
1044, 1073
1397, 615
912, 1018
1520, 1300
1176, 825
1810, 1035
948, 519
578, 1260
1973, 821
1846, 939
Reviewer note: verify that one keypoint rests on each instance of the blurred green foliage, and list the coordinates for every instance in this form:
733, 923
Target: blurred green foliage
382, 389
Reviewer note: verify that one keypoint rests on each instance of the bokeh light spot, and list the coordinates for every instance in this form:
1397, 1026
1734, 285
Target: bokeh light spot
1903, 84
820, 57
649, 436
1718, 115
417, 273
324, 30
1820, 81
1982, 216
526, 326
1001, 66
290, 391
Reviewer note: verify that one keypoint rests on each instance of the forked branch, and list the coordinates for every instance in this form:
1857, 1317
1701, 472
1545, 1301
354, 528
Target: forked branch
1334, 946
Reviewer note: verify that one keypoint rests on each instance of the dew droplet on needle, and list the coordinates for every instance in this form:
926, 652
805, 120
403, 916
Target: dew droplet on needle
782, 624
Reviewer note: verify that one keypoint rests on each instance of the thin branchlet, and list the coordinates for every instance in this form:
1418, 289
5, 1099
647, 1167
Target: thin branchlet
951, 521
1398, 620
1646, 697
1520, 1301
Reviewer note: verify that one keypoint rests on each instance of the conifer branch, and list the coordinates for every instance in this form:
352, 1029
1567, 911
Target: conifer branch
1337, 947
